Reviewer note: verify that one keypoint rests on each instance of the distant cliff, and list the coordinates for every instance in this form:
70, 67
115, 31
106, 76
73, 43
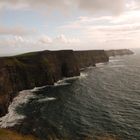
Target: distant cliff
90, 57
119, 52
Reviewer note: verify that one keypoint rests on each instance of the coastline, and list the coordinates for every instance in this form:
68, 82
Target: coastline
57, 84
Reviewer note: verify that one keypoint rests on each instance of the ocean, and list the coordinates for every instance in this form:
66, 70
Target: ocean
103, 102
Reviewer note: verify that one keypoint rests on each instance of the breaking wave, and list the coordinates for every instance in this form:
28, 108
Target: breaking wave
46, 99
12, 117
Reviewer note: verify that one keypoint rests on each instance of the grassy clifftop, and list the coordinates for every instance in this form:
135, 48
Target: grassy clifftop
10, 135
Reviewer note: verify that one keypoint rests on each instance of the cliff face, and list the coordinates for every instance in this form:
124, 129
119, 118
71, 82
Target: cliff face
119, 52
44, 68
41, 68
33, 70
91, 57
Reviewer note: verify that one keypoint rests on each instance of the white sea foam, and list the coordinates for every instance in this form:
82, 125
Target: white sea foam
114, 60
70, 78
37, 88
46, 99
12, 117
83, 75
100, 64
86, 68
90, 67
64, 81
116, 66
61, 83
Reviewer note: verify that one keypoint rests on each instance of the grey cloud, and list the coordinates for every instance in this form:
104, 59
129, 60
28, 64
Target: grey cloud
114, 6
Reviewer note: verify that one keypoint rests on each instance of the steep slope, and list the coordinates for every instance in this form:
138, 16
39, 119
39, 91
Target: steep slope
90, 57
33, 70
37, 69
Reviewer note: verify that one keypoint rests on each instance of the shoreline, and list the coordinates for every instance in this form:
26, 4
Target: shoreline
59, 81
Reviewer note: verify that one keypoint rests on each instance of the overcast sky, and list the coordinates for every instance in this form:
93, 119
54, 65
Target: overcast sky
28, 25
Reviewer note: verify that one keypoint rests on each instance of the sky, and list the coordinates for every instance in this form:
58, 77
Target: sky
31, 25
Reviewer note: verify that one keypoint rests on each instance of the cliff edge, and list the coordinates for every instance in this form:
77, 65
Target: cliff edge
90, 57
37, 69
33, 70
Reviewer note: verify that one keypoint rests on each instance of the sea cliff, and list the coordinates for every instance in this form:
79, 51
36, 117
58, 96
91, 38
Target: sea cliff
37, 69
90, 57
119, 52
33, 70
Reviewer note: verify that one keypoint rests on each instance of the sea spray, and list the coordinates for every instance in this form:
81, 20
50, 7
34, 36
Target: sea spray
12, 117
46, 99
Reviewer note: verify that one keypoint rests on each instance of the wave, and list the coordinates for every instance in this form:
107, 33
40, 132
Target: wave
114, 60
37, 88
117, 66
46, 99
60, 83
100, 64
65, 81
83, 75
12, 117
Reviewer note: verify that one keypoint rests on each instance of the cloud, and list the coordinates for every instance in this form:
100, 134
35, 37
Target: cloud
133, 4
100, 31
18, 30
17, 44
92, 6
97, 28
60, 39
45, 39
63, 39
117, 28
13, 41
102, 5
37, 42
82, 22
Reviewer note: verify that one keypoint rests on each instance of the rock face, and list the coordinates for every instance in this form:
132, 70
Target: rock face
33, 70
44, 68
119, 52
91, 57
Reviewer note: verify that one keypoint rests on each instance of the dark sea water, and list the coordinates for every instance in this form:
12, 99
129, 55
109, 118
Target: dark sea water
105, 100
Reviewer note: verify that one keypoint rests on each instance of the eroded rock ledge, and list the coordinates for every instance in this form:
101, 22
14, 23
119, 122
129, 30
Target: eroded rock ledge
37, 69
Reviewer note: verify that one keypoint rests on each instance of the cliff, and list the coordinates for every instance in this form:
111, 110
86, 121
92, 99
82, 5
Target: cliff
44, 68
41, 68
90, 57
33, 70
37, 69
119, 52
